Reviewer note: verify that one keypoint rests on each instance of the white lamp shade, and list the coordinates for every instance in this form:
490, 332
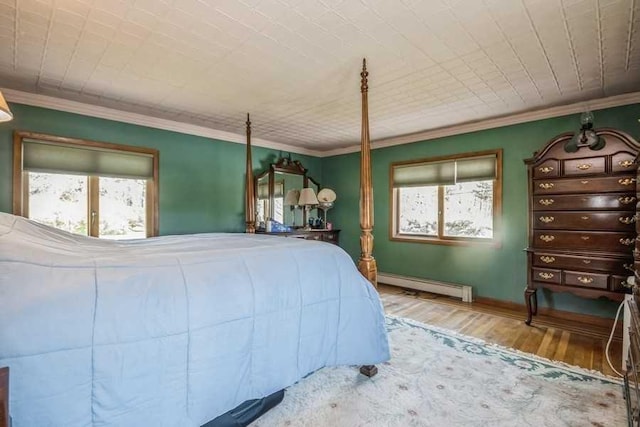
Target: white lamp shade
5, 113
291, 199
327, 195
308, 197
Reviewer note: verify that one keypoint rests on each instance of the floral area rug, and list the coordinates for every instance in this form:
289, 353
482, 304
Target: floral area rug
439, 378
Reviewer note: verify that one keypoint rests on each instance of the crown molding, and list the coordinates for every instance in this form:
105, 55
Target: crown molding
513, 119
90, 110
44, 101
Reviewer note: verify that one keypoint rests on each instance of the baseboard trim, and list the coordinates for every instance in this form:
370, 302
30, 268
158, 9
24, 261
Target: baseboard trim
585, 324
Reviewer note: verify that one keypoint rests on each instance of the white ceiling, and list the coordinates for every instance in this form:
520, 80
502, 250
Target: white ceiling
294, 64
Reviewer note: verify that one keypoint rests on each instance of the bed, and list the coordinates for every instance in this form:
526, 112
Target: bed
174, 330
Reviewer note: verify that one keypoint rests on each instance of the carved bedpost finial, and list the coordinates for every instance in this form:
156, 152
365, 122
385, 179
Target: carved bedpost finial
364, 84
250, 201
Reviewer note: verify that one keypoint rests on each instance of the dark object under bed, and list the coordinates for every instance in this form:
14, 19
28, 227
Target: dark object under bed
247, 412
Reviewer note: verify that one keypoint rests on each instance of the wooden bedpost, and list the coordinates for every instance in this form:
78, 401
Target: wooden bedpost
250, 201
366, 263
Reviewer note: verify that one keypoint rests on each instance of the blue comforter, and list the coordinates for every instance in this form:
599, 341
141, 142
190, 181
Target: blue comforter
175, 330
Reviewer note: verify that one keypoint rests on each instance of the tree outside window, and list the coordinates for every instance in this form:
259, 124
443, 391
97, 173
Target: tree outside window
451, 200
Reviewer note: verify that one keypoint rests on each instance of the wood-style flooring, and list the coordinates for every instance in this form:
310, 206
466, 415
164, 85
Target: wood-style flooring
504, 327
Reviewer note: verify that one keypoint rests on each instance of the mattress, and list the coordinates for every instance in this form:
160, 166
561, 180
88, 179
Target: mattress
172, 330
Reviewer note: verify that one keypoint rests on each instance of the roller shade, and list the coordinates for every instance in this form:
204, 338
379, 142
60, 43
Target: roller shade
40, 156
423, 174
278, 190
476, 169
263, 190
445, 173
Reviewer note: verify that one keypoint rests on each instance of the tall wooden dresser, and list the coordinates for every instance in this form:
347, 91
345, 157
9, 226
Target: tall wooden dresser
582, 214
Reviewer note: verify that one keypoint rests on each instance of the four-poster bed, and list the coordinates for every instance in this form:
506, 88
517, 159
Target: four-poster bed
366, 263
175, 330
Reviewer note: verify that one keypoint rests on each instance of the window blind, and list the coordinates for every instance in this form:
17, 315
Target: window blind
41, 156
476, 169
263, 190
445, 173
424, 174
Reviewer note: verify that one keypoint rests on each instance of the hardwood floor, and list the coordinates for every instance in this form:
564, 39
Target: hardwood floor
574, 343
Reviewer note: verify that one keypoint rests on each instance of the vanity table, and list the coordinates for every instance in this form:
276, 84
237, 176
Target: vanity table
330, 236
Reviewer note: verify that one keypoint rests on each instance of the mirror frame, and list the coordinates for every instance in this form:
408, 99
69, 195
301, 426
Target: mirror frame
284, 165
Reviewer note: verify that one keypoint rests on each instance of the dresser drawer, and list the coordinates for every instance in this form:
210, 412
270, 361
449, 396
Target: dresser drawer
623, 162
617, 283
589, 263
313, 236
546, 275
584, 202
590, 166
547, 169
330, 237
595, 241
613, 221
609, 184
585, 280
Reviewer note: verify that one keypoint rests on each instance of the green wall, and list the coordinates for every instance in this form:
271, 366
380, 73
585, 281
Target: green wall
201, 179
493, 272
202, 190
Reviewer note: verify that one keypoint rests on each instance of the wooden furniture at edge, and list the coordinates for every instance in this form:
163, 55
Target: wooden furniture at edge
631, 379
330, 236
4, 397
366, 263
582, 214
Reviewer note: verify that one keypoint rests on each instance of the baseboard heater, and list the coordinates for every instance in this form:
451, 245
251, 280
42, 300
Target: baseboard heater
463, 292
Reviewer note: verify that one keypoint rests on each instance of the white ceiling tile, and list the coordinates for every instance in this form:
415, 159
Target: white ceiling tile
68, 18
142, 18
116, 7
433, 63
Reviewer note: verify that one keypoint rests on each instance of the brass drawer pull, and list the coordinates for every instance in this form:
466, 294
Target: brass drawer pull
585, 238
546, 185
627, 219
585, 217
627, 242
584, 182
546, 275
546, 169
547, 259
547, 238
626, 200
626, 181
585, 280
584, 166
586, 261
547, 219
626, 163
546, 202
628, 267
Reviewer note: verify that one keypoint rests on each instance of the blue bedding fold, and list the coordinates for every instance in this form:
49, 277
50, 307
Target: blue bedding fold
175, 330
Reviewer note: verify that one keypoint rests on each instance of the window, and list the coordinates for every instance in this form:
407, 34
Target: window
262, 208
448, 200
85, 187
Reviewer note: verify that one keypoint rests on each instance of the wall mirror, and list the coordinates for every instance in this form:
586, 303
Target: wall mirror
278, 191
